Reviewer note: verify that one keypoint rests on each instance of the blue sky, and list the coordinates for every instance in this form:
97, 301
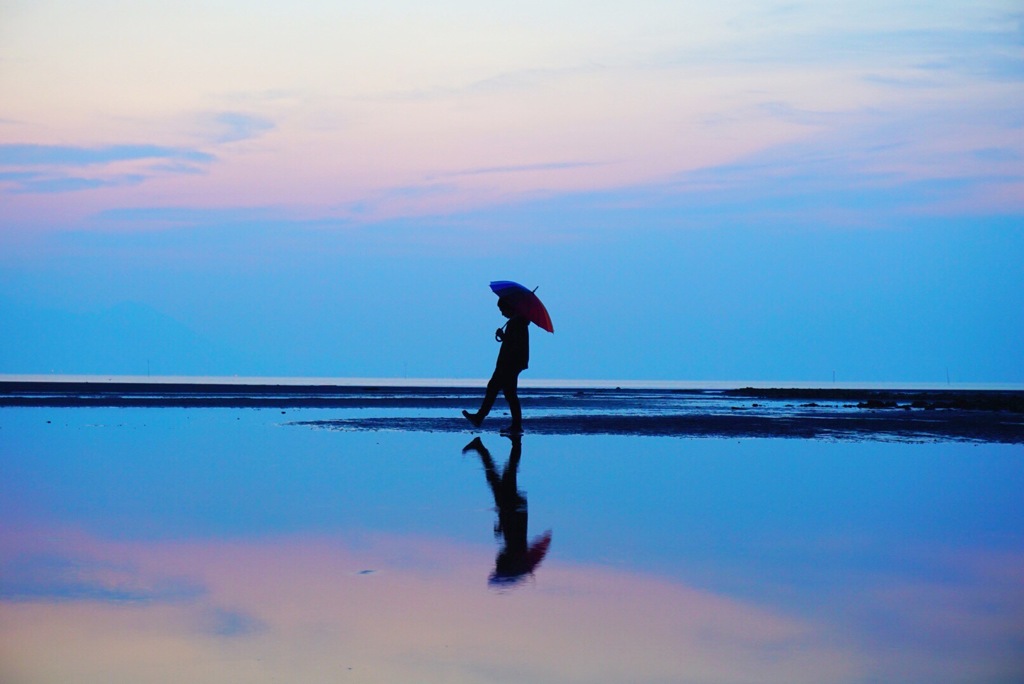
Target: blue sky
752, 191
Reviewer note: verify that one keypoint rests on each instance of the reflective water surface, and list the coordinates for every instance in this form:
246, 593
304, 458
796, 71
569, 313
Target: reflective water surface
233, 545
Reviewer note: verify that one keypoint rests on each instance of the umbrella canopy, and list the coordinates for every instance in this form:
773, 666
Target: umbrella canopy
525, 301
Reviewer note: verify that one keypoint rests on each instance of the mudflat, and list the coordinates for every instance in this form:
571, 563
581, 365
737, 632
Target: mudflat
746, 412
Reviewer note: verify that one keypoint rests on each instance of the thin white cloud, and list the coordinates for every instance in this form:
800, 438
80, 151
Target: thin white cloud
21, 155
57, 169
236, 126
517, 168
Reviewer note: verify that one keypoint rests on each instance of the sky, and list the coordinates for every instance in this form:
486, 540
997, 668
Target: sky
791, 191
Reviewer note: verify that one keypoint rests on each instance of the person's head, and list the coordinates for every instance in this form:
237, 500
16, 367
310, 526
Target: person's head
506, 308
510, 569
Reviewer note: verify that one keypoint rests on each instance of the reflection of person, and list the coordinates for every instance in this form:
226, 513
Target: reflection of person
517, 559
513, 358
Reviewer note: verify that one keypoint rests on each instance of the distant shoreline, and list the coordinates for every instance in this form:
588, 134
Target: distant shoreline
211, 393
526, 381
841, 413
974, 415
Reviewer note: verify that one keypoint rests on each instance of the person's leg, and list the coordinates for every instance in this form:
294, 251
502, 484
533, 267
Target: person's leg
511, 392
494, 385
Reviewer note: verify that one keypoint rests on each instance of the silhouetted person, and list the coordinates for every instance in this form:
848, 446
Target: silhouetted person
517, 558
513, 358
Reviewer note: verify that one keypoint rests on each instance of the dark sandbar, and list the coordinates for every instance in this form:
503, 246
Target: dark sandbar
958, 426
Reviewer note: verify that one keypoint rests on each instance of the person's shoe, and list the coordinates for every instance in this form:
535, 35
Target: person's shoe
513, 429
473, 418
476, 445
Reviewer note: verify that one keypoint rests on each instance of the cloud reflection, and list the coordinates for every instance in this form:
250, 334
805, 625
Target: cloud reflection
299, 609
56, 578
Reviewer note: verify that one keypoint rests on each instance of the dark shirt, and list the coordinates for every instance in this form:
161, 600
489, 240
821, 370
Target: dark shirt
514, 355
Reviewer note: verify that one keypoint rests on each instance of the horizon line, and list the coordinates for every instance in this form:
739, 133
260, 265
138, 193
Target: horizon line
536, 383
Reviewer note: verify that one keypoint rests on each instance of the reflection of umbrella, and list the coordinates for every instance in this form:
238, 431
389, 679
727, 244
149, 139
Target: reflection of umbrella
535, 554
525, 301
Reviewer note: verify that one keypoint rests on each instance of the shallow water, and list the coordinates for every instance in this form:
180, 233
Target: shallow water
222, 545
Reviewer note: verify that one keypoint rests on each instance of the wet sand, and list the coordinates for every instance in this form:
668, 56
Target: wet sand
957, 427
918, 415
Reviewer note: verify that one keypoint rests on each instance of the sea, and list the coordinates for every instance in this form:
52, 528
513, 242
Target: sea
390, 541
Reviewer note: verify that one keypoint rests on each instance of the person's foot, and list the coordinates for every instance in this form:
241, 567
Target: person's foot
513, 429
476, 445
473, 418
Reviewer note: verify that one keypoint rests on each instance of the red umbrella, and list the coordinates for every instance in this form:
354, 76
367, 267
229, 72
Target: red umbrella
525, 301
